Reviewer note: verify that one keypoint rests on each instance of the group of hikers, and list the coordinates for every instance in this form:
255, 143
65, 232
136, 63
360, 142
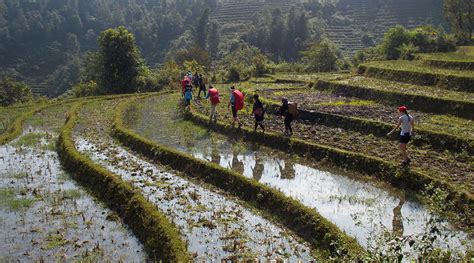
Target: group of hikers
288, 110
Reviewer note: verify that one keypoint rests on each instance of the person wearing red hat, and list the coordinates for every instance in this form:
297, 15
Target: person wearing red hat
407, 123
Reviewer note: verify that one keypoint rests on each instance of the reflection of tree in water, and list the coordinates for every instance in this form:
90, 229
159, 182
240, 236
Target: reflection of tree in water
397, 221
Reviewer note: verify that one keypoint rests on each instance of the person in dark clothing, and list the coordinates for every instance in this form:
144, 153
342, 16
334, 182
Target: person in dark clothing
196, 81
258, 112
202, 86
285, 112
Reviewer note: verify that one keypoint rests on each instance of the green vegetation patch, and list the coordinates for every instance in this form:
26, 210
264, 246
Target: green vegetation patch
463, 54
9, 114
297, 77
417, 66
11, 201
54, 240
406, 88
416, 73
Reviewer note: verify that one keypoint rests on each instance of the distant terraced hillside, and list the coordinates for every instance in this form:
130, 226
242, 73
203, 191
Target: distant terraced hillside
375, 17
372, 17
242, 11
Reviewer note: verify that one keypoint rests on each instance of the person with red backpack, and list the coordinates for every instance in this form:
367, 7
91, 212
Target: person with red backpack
214, 99
237, 103
185, 82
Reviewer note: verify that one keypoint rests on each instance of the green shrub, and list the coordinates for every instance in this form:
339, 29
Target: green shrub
233, 74
12, 91
425, 39
407, 51
320, 57
243, 62
85, 89
393, 39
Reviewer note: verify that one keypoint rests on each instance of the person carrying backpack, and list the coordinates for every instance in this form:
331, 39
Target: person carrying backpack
285, 112
237, 103
258, 113
186, 80
407, 122
214, 99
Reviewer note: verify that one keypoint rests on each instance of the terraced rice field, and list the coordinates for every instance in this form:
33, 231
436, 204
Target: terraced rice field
137, 178
347, 200
46, 215
334, 103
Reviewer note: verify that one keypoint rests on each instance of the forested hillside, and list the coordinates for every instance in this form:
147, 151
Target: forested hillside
44, 42
41, 41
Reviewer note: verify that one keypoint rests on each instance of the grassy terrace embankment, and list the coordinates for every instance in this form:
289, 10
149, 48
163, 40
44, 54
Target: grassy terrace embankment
336, 105
462, 59
365, 154
306, 222
13, 118
159, 236
422, 98
416, 73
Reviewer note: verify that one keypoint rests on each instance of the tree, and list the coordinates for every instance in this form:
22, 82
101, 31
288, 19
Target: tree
194, 53
392, 40
120, 61
276, 35
460, 14
12, 92
321, 57
213, 39
201, 29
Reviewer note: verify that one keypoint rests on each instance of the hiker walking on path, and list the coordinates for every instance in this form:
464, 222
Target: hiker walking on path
258, 112
202, 86
196, 81
285, 112
237, 103
214, 99
407, 123
186, 81
188, 95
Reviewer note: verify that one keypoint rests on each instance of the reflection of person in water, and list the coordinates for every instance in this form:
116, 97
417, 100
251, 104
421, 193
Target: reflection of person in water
215, 154
237, 165
397, 222
258, 169
287, 170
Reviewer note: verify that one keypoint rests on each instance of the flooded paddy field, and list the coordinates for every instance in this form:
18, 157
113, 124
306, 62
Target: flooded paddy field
45, 215
379, 217
214, 225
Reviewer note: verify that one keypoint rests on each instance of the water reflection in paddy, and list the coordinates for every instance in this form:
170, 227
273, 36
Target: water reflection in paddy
361, 208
